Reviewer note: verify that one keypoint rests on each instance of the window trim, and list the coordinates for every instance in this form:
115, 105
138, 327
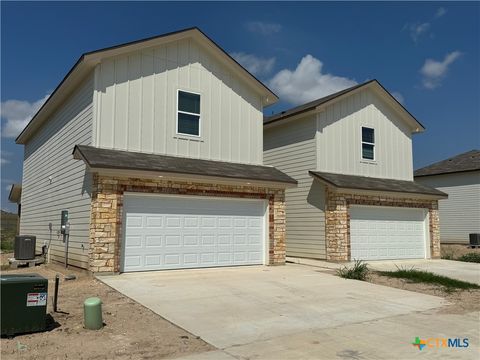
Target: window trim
368, 143
189, 113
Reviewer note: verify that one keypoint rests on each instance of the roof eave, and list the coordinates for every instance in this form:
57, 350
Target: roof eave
112, 170
447, 173
180, 176
76, 74
15, 193
88, 60
336, 188
416, 126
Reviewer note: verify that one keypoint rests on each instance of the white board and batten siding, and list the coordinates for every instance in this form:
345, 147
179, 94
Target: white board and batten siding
340, 138
291, 148
53, 181
136, 102
460, 213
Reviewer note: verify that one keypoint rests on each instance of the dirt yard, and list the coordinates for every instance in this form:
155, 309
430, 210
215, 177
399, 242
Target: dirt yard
463, 301
454, 251
131, 331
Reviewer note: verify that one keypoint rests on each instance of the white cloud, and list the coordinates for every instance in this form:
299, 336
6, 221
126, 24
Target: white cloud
3, 160
8, 187
434, 71
307, 82
418, 30
399, 97
256, 65
17, 114
440, 12
263, 28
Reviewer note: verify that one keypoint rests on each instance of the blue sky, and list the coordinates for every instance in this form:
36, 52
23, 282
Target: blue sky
427, 54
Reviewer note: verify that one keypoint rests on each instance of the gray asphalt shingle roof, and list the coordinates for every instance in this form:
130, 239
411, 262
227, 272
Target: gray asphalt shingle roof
315, 103
469, 161
310, 105
376, 184
128, 160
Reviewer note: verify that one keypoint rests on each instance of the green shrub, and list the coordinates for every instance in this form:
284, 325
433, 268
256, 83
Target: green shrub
420, 276
470, 257
6, 243
358, 271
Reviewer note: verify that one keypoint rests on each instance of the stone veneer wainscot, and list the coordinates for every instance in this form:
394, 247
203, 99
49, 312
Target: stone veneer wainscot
107, 213
337, 220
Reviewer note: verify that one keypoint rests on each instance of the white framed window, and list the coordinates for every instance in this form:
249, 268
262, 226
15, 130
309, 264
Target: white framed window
188, 113
368, 143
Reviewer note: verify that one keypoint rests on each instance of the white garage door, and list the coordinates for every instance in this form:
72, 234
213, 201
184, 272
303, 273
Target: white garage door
173, 232
378, 233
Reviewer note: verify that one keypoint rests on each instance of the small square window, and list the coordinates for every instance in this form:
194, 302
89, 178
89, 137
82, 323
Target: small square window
368, 143
188, 113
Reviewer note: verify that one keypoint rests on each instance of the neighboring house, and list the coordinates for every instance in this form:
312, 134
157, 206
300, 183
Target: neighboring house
459, 177
167, 167
351, 153
15, 196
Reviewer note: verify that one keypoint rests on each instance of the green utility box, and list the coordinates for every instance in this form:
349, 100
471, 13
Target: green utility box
23, 303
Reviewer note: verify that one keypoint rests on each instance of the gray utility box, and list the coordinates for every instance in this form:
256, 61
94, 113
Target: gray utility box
23, 303
24, 248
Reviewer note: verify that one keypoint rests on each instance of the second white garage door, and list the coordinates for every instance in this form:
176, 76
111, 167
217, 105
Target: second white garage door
173, 232
378, 233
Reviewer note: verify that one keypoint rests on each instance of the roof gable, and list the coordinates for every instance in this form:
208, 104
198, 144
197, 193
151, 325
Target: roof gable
468, 161
318, 104
87, 62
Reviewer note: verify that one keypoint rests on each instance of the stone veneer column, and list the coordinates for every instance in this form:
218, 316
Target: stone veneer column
107, 213
104, 223
336, 227
277, 250
434, 231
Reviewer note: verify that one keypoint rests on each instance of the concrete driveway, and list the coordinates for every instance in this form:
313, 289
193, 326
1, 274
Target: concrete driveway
295, 312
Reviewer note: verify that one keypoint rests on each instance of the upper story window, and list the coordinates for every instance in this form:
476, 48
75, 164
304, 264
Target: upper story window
188, 113
368, 143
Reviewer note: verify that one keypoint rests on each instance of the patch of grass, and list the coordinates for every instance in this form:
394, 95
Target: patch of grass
359, 271
470, 257
420, 276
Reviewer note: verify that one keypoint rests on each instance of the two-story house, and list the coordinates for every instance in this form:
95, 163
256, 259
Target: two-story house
155, 149
459, 177
351, 153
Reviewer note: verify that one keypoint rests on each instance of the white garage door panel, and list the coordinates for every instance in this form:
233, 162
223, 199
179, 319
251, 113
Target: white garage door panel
378, 233
188, 232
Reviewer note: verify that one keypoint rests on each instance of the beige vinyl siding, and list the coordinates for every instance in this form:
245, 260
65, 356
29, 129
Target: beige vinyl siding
53, 181
460, 213
136, 105
340, 136
291, 149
